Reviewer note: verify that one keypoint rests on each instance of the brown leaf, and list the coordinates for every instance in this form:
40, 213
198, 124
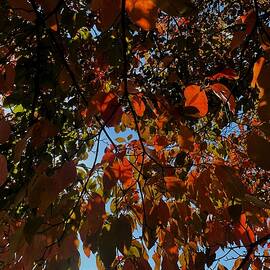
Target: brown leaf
3, 170
24, 9
174, 185
5, 131
42, 130
224, 94
64, 176
108, 10
123, 232
258, 150
185, 139
176, 7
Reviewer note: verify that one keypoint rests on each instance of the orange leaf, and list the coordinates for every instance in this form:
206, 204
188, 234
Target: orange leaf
256, 70
196, 101
143, 13
224, 94
138, 105
5, 131
258, 150
3, 170
249, 19
264, 95
243, 231
174, 185
185, 139
225, 73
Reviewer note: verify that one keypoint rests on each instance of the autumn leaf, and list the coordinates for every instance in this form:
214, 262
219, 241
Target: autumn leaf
249, 20
143, 13
41, 131
108, 10
196, 101
258, 149
107, 247
24, 9
7, 77
123, 232
225, 95
95, 213
227, 73
264, 94
174, 185
107, 105
176, 7
138, 104
5, 131
256, 70
243, 231
3, 170
64, 176
185, 139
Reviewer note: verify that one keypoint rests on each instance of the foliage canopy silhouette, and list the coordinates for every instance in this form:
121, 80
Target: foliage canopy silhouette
187, 81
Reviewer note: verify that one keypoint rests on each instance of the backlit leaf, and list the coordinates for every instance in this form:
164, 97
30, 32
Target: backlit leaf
196, 100
256, 70
224, 94
143, 13
138, 105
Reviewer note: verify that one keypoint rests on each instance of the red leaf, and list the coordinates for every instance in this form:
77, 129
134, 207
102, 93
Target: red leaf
108, 11
7, 76
95, 213
163, 212
224, 94
5, 131
249, 19
107, 105
138, 105
174, 185
42, 130
196, 100
243, 231
159, 142
3, 170
227, 73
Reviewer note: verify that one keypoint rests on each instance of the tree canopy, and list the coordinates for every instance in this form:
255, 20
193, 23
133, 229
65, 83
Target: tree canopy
188, 84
